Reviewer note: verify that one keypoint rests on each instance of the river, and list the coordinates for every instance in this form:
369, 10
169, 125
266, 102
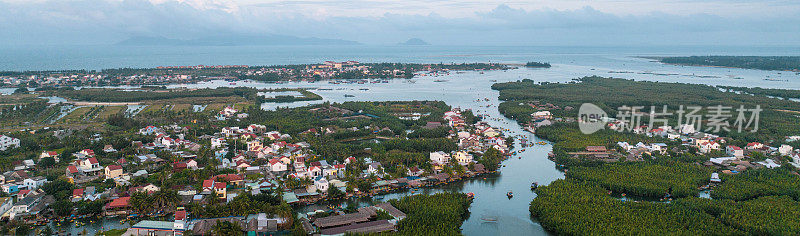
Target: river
464, 89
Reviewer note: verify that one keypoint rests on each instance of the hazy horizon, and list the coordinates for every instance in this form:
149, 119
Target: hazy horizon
378, 22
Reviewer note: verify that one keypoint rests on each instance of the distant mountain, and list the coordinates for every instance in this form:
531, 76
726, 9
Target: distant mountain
415, 42
233, 40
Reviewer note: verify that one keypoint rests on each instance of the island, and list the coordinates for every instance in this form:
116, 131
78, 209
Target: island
533, 64
783, 63
348, 71
415, 42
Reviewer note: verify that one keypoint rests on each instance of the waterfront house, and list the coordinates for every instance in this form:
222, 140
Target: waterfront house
439, 158
463, 158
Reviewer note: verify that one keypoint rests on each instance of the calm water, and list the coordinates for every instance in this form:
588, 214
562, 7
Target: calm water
460, 90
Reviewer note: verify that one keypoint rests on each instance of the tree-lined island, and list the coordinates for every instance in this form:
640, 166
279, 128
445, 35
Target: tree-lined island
785, 63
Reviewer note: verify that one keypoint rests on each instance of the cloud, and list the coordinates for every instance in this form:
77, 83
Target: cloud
109, 21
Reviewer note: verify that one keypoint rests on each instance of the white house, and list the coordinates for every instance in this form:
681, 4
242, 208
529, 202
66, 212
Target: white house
321, 183
8, 142
374, 167
34, 182
715, 178
785, 149
275, 165
625, 146
734, 151
439, 158
217, 142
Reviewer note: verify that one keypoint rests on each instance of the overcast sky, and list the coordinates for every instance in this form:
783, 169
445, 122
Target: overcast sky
441, 22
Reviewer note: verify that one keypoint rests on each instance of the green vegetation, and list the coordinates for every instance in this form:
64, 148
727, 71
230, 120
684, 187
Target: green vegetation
534, 64
306, 96
572, 207
437, 214
746, 62
757, 183
610, 94
575, 207
781, 93
119, 95
113, 232
646, 179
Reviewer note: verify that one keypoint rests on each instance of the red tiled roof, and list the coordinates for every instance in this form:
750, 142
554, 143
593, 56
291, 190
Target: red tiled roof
228, 177
208, 183
72, 169
180, 215
114, 167
77, 192
119, 202
93, 160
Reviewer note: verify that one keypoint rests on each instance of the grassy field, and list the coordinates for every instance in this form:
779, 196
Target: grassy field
76, 116
182, 107
108, 111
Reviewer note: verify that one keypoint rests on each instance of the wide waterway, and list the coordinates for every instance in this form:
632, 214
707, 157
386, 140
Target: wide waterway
471, 89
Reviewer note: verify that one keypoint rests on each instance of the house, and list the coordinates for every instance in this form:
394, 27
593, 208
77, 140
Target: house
52, 154
117, 206
785, 149
87, 152
625, 146
542, 114
192, 164
25, 205
149, 130
315, 171
34, 182
113, 171
109, 149
754, 146
275, 165
463, 158
374, 168
217, 142
715, 178
439, 158
490, 132
414, 171
321, 183
77, 194
734, 151
218, 188
90, 165
72, 171
7, 142
349, 160
706, 146
254, 145
150, 188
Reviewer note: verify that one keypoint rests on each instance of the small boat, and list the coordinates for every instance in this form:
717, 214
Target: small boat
489, 219
510, 194
349, 96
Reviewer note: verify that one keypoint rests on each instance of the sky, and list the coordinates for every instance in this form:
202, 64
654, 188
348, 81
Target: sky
385, 22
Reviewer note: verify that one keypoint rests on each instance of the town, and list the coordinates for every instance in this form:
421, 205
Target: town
163, 75
167, 178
